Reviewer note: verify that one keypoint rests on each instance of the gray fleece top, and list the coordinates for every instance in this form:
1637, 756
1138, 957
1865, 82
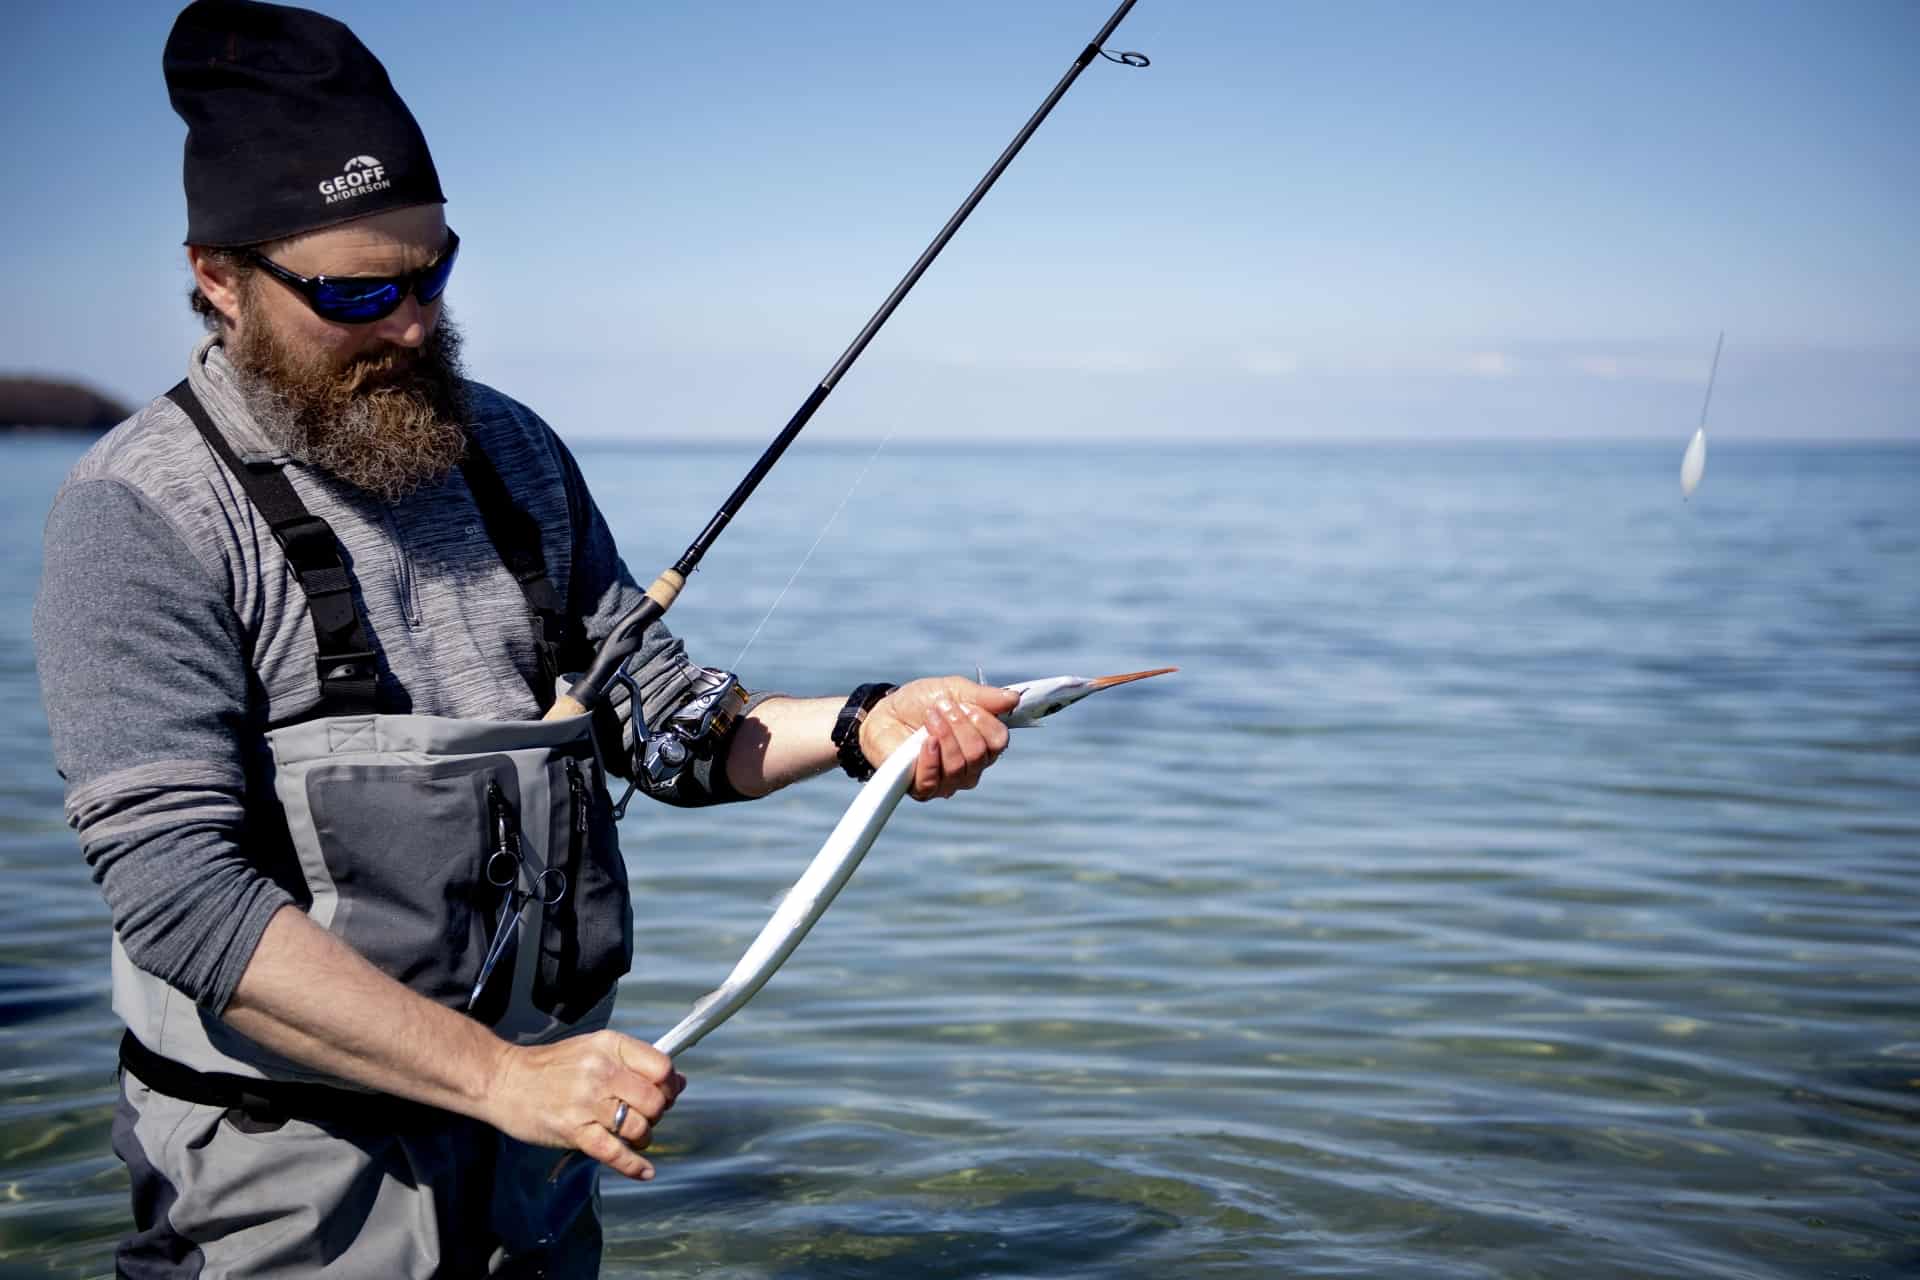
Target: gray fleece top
171, 634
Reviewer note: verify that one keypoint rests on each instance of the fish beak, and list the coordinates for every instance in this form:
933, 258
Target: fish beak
1041, 698
1107, 682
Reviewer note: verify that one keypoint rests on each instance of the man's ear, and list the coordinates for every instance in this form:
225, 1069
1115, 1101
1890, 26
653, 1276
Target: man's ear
218, 279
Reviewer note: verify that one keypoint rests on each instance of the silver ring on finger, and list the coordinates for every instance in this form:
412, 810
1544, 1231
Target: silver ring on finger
619, 1118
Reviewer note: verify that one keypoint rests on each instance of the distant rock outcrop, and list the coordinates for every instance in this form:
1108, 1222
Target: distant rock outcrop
43, 404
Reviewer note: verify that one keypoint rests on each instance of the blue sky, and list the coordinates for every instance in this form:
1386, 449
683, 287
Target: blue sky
1327, 220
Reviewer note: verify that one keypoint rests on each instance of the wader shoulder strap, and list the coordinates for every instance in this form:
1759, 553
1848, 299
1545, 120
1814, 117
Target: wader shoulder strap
558, 637
348, 671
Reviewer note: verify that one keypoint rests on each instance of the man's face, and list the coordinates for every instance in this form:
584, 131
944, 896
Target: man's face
385, 244
376, 404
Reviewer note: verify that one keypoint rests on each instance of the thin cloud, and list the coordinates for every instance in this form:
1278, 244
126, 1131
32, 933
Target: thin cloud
1437, 362
1270, 364
1095, 361
1636, 368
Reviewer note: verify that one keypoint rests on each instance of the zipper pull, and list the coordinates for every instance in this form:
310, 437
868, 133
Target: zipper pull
497, 813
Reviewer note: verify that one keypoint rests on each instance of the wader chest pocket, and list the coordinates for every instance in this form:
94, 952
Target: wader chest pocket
586, 940
405, 847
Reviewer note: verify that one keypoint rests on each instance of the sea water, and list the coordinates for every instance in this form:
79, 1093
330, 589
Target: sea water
1521, 877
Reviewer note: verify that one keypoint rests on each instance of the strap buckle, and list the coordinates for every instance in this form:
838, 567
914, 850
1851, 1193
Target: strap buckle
307, 541
354, 664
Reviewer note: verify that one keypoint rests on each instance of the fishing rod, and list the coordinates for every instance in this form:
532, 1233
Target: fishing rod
1693, 464
624, 639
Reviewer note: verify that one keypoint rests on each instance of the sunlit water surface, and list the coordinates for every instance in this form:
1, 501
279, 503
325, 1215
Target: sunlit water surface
1519, 878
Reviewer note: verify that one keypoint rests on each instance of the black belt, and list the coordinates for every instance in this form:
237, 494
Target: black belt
271, 1101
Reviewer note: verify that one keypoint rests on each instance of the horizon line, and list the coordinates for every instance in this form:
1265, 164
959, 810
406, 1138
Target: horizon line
890, 442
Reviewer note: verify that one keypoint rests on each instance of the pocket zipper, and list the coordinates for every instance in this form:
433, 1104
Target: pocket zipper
577, 787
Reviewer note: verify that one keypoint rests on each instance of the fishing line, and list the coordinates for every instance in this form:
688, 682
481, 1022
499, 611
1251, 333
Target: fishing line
911, 411
1712, 373
818, 538
1693, 464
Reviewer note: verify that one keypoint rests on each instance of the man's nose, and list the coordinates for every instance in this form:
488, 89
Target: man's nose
409, 324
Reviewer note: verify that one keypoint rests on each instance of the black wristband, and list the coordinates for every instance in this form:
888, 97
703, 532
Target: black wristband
846, 728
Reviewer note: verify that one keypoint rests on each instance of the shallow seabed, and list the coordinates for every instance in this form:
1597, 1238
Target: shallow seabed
1521, 877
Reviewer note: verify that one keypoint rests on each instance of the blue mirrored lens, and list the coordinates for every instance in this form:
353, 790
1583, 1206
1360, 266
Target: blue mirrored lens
353, 303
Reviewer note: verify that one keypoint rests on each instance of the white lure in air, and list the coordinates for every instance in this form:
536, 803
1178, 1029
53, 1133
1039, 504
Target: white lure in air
830, 869
1694, 464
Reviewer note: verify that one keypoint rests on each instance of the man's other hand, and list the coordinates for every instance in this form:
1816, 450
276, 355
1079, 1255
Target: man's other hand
568, 1094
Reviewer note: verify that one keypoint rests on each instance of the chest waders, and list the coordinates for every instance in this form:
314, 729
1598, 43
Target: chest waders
426, 843
423, 842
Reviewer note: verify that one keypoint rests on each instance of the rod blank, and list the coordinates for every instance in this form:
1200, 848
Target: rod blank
624, 639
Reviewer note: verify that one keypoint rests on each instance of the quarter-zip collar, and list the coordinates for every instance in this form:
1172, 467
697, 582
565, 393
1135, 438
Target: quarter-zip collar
217, 383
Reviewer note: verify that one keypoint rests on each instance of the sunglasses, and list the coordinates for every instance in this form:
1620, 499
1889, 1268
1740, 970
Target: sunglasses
365, 299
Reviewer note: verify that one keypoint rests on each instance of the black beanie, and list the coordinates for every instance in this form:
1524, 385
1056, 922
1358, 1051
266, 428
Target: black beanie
292, 124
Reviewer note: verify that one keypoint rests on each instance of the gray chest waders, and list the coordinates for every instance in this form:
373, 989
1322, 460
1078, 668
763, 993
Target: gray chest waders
424, 842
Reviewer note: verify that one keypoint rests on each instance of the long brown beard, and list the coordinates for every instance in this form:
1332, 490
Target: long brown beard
388, 422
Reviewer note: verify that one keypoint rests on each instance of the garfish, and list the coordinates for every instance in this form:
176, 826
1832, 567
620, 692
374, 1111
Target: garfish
830, 869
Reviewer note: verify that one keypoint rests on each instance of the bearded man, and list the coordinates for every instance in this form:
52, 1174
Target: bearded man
298, 622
